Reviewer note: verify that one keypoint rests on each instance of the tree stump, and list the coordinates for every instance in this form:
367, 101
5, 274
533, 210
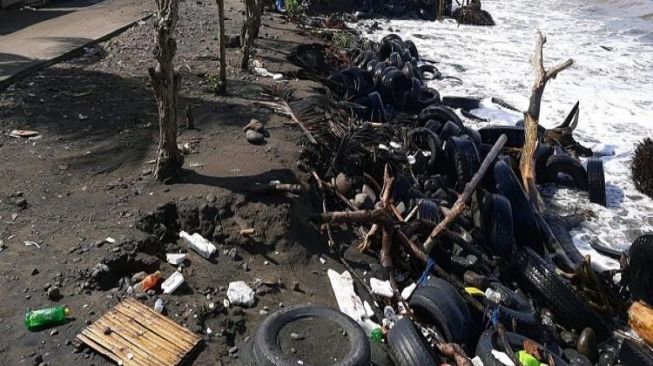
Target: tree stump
165, 83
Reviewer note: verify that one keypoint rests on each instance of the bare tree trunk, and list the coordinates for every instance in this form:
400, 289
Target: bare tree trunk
532, 118
249, 32
165, 83
222, 87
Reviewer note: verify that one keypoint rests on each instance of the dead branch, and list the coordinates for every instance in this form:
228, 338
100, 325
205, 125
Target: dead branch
460, 204
285, 109
531, 120
377, 216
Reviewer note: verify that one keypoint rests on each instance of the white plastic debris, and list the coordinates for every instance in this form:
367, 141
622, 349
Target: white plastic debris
239, 293
408, 291
172, 283
30, 243
395, 145
261, 71
110, 240
197, 242
476, 361
381, 288
343, 288
158, 306
493, 296
368, 309
226, 303
502, 357
322, 260
175, 258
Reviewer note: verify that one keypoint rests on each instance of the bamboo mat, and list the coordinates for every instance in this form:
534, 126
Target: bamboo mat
133, 334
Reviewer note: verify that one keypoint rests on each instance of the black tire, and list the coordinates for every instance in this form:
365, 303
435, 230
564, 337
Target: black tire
463, 155
419, 136
396, 86
395, 60
377, 74
640, 269
433, 125
440, 113
489, 341
570, 309
526, 230
561, 233
429, 211
596, 181
632, 354
427, 97
497, 224
491, 134
515, 312
431, 70
562, 163
375, 104
439, 304
449, 130
468, 103
408, 347
412, 72
410, 46
268, 353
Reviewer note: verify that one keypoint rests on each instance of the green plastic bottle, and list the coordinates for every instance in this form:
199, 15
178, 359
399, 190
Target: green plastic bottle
41, 318
376, 335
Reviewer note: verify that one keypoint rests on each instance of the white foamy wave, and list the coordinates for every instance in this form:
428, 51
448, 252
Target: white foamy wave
612, 77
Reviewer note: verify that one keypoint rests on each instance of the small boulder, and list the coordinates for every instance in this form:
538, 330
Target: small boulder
254, 137
240, 294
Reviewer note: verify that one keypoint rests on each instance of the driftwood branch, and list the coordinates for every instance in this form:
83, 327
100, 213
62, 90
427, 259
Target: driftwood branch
461, 203
285, 109
531, 120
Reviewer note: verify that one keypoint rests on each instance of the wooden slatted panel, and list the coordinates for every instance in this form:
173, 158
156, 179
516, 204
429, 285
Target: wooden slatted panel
139, 336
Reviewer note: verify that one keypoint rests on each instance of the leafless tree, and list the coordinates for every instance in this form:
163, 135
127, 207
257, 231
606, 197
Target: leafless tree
165, 83
250, 30
222, 86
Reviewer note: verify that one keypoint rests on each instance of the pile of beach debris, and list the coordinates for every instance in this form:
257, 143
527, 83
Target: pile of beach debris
473, 263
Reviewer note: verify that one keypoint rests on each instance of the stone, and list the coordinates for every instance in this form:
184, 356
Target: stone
296, 336
240, 294
363, 201
35, 271
234, 255
54, 293
254, 137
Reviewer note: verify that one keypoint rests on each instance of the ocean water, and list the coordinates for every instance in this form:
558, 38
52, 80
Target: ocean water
611, 43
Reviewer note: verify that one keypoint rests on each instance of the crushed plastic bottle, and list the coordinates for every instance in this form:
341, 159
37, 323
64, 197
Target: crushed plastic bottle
44, 317
148, 282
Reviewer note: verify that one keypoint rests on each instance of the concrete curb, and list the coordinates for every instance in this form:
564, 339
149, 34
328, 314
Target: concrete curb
4, 84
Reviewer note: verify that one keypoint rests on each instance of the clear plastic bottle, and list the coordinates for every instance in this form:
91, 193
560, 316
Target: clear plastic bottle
44, 317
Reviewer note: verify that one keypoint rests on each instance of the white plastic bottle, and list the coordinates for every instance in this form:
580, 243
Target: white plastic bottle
197, 242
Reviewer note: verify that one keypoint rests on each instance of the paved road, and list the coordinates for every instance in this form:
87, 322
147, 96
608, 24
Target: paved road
30, 39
